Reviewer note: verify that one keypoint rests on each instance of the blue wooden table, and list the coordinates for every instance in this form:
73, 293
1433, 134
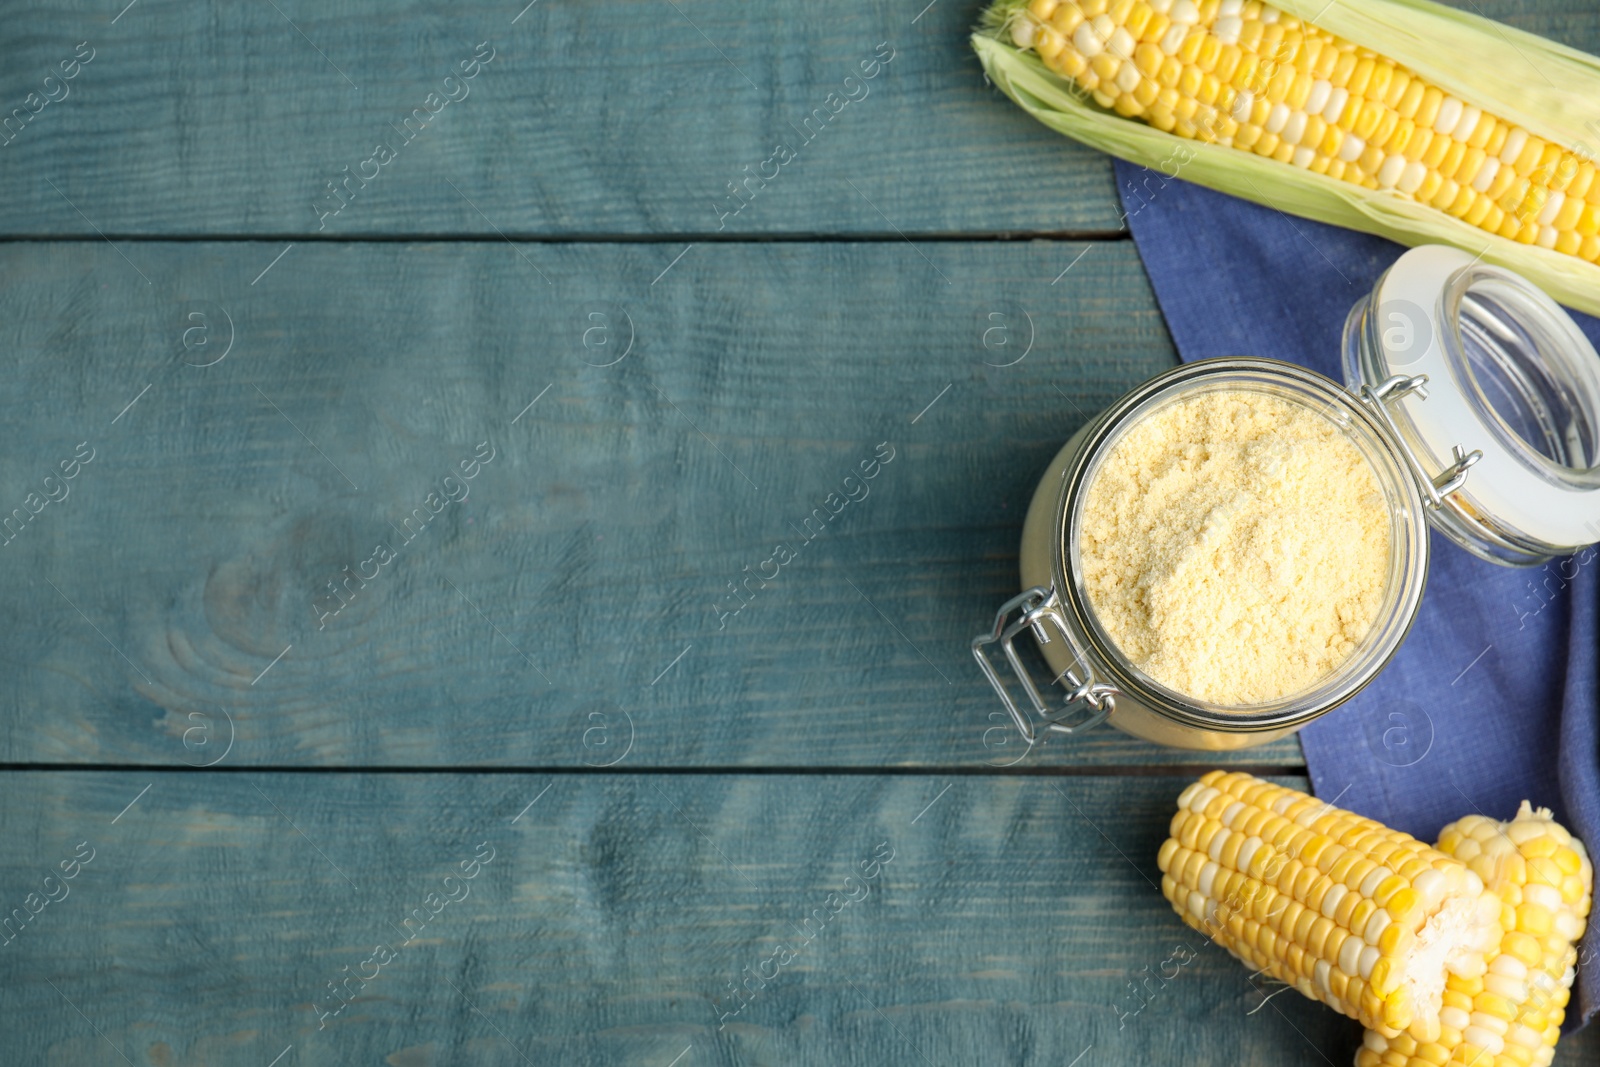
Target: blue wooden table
496, 501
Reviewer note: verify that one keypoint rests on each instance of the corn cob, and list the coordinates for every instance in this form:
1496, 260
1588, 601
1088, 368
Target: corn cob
1240, 73
1513, 1014
1366, 919
1373, 144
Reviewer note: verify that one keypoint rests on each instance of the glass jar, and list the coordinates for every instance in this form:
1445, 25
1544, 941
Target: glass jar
1474, 398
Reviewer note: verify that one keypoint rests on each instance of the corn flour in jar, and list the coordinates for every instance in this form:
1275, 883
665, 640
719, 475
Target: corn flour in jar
1235, 546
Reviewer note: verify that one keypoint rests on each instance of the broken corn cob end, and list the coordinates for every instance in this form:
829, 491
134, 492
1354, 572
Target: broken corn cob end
1512, 1015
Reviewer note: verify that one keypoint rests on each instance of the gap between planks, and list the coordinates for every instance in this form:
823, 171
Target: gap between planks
1173, 770
714, 237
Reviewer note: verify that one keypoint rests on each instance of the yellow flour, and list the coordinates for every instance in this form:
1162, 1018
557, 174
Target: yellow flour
1234, 546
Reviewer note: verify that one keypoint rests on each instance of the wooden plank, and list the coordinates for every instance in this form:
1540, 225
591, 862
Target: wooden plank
1006, 926
620, 117
193, 585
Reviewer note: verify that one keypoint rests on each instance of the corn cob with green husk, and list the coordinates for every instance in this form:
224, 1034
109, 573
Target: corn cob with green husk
1511, 1015
1419, 132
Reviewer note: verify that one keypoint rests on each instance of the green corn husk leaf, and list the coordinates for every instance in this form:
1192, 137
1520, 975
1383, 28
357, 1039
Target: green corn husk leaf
1468, 56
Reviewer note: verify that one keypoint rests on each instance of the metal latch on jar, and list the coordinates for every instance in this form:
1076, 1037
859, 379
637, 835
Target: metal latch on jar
1038, 606
1434, 487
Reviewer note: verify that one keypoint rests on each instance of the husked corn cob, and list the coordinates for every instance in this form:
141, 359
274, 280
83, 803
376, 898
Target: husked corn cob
1366, 919
1510, 1017
1243, 74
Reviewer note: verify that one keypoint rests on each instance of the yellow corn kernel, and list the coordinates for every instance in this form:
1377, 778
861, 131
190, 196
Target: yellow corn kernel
1399, 86
1250, 35
1106, 66
1528, 158
1227, 62
1326, 60
1401, 137
1582, 180
1493, 219
1332, 138
1479, 211
1138, 18
1467, 166
1244, 75
1450, 162
1310, 49
1067, 18
1278, 86
1361, 77
1147, 59
1444, 195
1339, 77
1428, 107
1497, 139
1436, 151
1189, 51
1556, 176
1588, 225
1378, 84
1188, 81
1421, 139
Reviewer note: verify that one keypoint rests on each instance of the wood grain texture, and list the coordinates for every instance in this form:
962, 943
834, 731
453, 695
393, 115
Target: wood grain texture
615, 913
583, 585
623, 117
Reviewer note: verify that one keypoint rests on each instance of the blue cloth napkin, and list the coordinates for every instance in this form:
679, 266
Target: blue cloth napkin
1493, 697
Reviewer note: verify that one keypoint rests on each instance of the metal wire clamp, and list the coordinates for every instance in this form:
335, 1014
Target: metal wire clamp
1036, 607
1435, 488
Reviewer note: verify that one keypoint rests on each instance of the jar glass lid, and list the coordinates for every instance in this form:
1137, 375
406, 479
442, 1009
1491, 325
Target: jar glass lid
1493, 394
